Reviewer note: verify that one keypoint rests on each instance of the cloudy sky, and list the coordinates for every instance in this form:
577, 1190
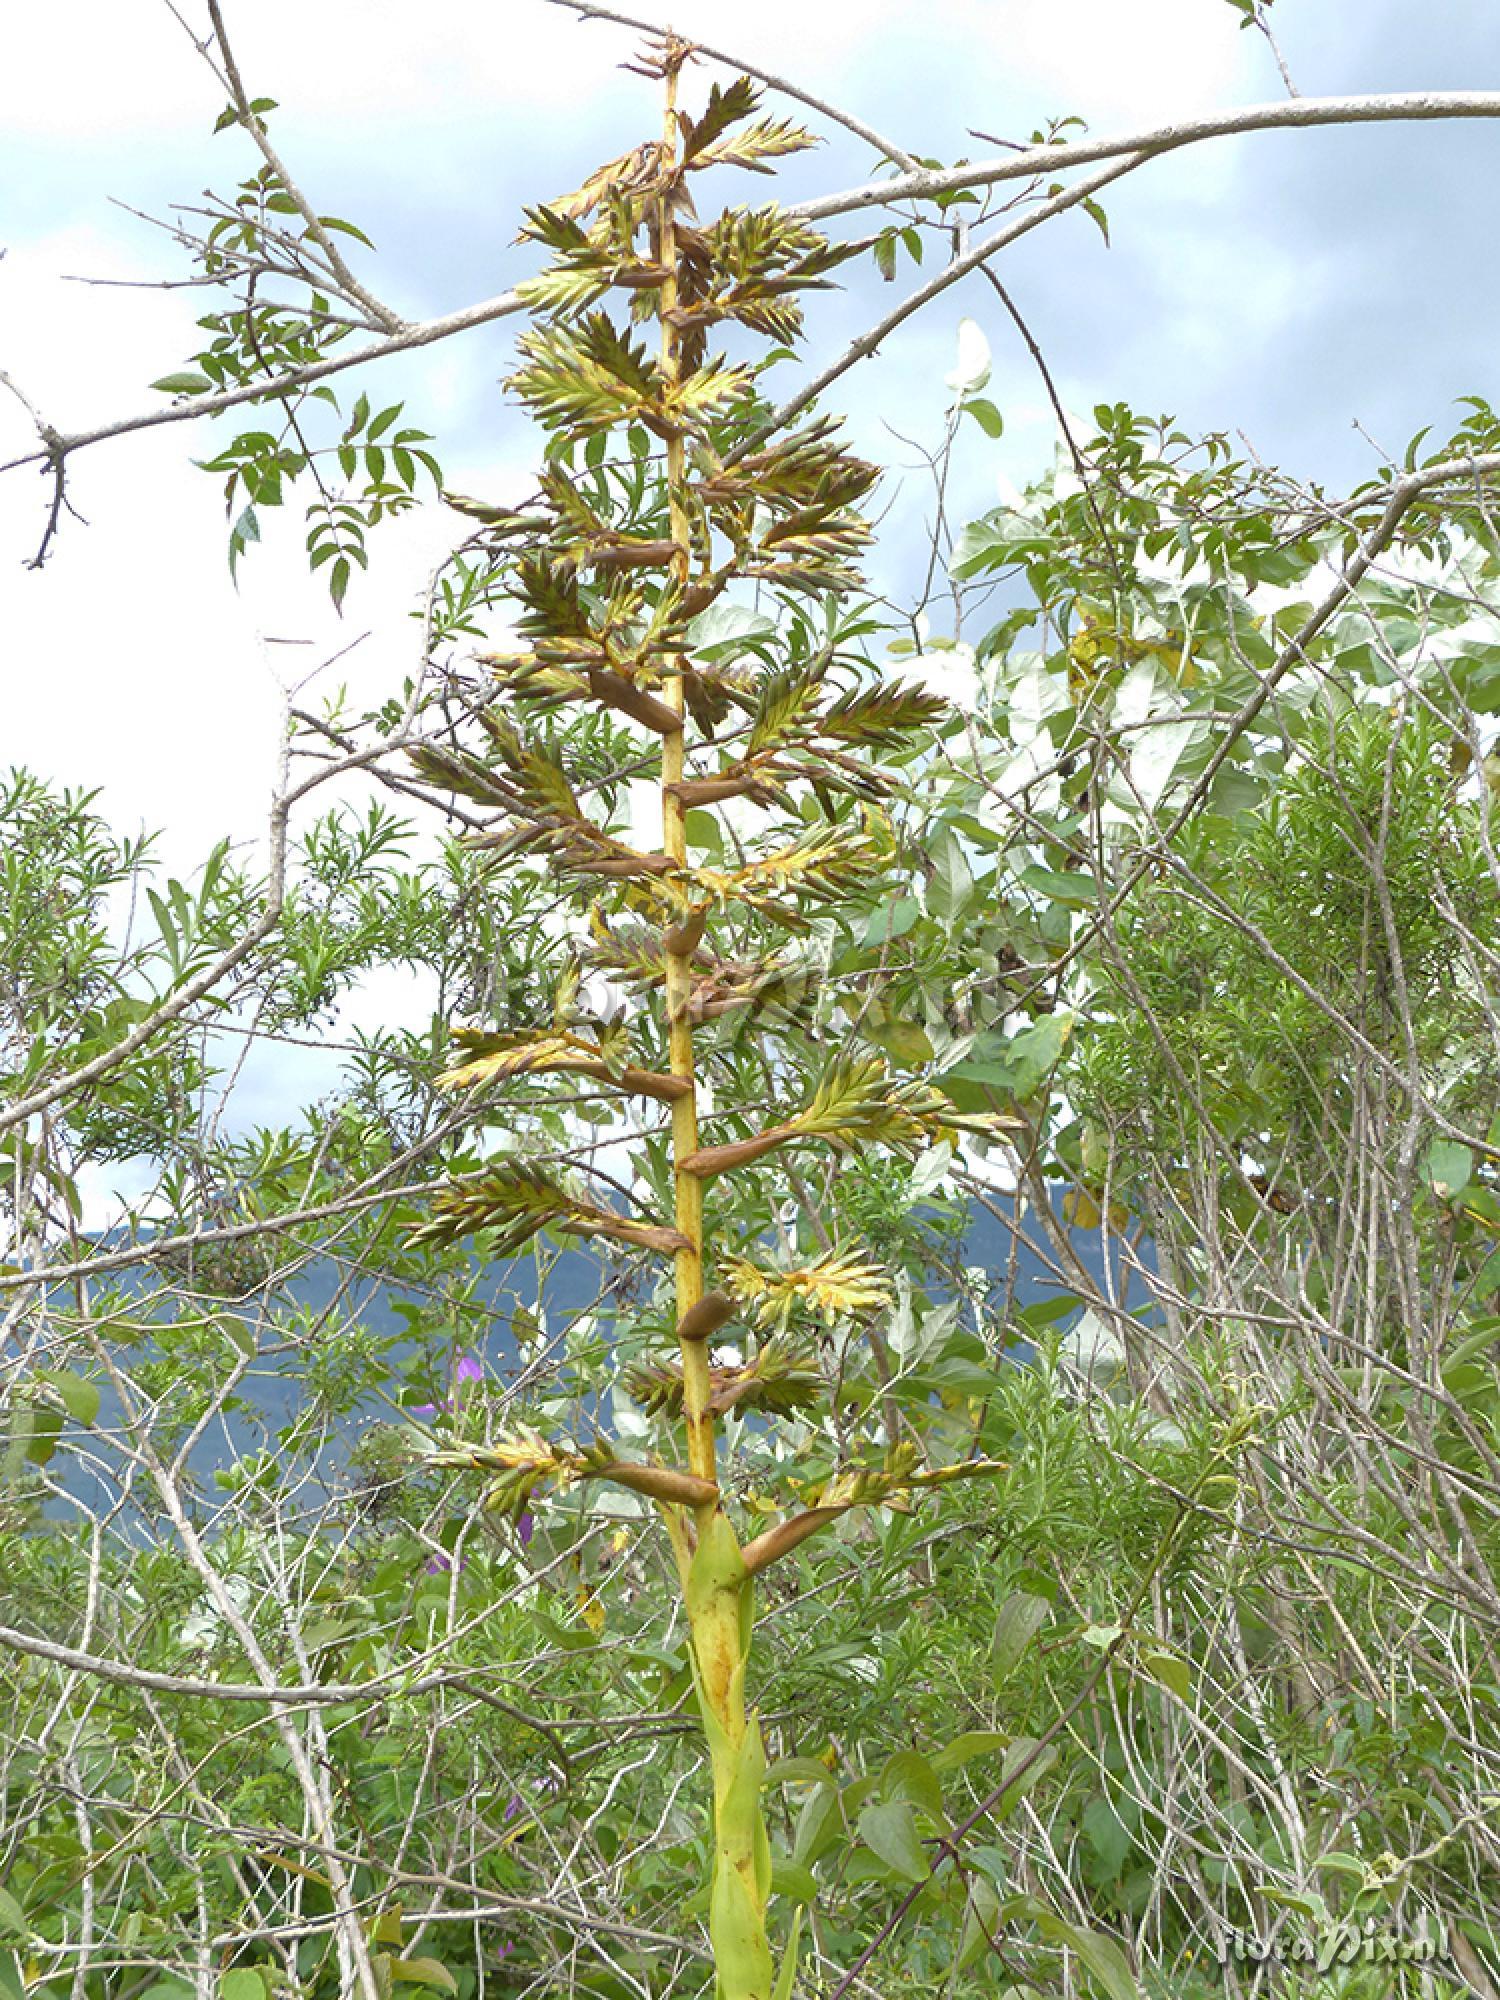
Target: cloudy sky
1287, 285
1284, 284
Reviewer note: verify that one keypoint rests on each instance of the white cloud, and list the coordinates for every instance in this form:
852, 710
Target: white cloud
134, 662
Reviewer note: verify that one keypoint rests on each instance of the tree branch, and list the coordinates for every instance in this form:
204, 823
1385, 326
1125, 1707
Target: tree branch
588, 11
62, 444
971, 260
378, 311
1394, 107
1400, 107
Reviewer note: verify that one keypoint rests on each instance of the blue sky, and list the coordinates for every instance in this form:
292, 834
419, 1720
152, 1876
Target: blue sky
1286, 285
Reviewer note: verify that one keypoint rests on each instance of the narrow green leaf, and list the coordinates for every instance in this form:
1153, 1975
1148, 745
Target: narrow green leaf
786, 1978
337, 222
1100, 1955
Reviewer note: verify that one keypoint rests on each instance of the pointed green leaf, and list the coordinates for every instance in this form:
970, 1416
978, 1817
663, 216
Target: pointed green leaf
890, 1831
965, 1748
1021, 1617
424, 1972
786, 1978
1173, 1672
1100, 1955
909, 1775
80, 1397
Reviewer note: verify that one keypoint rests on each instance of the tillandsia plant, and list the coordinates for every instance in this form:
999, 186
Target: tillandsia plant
688, 488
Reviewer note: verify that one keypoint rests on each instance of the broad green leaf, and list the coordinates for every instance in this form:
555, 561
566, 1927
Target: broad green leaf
424, 1972
1079, 892
892, 920
1107, 1834
889, 1830
909, 1775
965, 1748
798, 1770
929, 1173
1338, 1863
336, 222
41, 1430
996, 542
237, 1333
1450, 1166
1171, 1670
984, 413
1100, 1955
243, 1983
951, 887
817, 1825
1030, 1764
1102, 1636
80, 1397
185, 383
980, 1922
790, 1878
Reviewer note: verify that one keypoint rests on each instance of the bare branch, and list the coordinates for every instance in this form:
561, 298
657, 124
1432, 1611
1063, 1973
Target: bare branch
588, 11
422, 334
1395, 107
971, 260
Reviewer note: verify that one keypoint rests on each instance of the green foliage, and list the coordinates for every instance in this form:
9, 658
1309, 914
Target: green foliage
1186, 928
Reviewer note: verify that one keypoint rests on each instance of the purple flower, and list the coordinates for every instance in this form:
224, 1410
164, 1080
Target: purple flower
512, 1808
470, 1369
525, 1526
440, 1564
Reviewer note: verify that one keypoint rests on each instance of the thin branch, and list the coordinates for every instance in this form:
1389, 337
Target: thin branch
380, 312
1306, 111
386, 1687
1263, 23
588, 11
1393, 107
189, 409
205, 981
1404, 495
971, 260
